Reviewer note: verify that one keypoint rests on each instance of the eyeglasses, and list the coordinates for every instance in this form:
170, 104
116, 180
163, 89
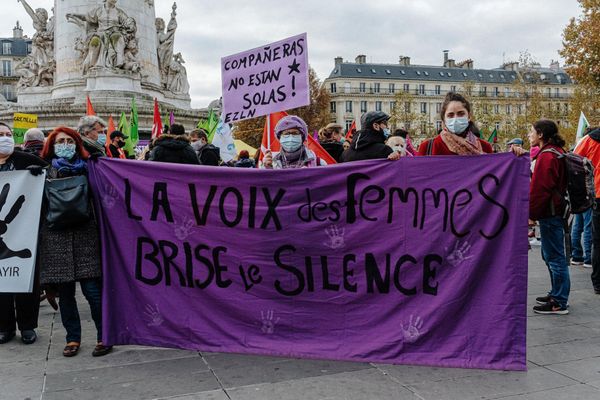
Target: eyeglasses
292, 133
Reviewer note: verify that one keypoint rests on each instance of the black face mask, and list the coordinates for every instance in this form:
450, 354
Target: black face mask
121, 143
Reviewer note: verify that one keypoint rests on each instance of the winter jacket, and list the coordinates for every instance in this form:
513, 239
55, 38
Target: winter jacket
209, 155
548, 185
245, 163
367, 144
20, 160
439, 148
173, 149
335, 149
589, 147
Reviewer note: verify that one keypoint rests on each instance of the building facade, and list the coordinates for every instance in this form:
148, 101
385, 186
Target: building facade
12, 51
413, 94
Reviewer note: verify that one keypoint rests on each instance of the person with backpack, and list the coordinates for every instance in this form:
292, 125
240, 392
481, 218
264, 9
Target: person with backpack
589, 147
547, 191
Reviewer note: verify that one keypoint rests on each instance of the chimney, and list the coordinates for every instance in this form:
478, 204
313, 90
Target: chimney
511, 66
17, 31
361, 59
450, 63
466, 64
555, 66
446, 57
404, 60
338, 61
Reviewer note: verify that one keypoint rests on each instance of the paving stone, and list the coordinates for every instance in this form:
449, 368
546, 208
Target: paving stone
493, 385
358, 385
15, 388
573, 392
563, 352
212, 395
585, 371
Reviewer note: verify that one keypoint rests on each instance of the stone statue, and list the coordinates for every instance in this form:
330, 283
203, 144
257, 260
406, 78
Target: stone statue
165, 42
178, 81
108, 34
41, 60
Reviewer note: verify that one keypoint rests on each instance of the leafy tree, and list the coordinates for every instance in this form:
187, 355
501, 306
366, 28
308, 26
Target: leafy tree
406, 115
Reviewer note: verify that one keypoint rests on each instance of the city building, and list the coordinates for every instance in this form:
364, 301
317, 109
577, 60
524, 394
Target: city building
12, 51
501, 97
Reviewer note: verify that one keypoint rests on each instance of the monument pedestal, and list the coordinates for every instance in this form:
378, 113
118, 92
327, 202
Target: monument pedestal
109, 80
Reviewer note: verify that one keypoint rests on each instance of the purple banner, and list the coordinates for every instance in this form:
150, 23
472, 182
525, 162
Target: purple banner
266, 79
419, 261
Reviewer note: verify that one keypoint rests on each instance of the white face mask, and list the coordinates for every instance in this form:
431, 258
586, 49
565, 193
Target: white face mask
7, 145
457, 125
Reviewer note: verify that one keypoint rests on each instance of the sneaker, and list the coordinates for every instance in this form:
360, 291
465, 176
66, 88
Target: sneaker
543, 300
576, 263
6, 337
28, 336
535, 242
587, 265
597, 290
551, 307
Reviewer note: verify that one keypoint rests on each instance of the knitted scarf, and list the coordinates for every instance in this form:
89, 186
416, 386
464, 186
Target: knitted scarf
467, 146
295, 159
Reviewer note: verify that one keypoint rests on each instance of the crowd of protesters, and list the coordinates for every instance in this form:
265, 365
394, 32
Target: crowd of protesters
72, 255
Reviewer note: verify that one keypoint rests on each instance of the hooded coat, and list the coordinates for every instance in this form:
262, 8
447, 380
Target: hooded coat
367, 144
173, 149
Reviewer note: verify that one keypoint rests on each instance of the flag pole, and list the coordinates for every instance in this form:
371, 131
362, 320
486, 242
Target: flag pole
269, 132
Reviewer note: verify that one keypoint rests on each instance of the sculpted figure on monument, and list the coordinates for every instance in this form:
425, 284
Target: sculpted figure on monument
165, 42
178, 81
108, 34
41, 60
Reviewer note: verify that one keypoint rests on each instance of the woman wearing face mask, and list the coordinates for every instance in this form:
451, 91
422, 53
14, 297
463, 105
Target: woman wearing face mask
291, 131
72, 254
18, 310
457, 137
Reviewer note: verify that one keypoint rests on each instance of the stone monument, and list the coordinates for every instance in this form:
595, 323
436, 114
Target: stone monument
109, 50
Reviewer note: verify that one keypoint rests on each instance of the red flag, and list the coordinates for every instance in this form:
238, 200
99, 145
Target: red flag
351, 131
319, 151
111, 128
274, 143
89, 109
157, 127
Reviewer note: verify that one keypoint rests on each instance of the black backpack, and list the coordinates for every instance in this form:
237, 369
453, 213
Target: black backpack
581, 194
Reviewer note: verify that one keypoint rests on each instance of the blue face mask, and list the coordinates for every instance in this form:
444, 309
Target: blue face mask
101, 139
291, 143
457, 125
386, 133
64, 150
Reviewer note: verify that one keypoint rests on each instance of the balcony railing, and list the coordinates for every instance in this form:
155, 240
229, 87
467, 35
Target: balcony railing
434, 93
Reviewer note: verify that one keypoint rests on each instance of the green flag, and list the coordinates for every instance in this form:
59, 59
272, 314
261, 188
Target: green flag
493, 137
209, 125
126, 129
134, 128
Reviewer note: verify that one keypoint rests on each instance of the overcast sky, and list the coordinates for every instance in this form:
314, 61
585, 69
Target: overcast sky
488, 31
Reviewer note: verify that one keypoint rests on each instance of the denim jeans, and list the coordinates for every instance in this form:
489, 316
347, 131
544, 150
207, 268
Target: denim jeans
553, 253
582, 225
69, 314
596, 246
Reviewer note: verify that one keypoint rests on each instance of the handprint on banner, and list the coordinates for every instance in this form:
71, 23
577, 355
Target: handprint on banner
336, 237
412, 331
183, 228
109, 197
153, 316
5, 252
268, 322
459, 254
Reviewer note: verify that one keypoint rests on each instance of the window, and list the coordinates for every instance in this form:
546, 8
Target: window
347, 87
392, 106
519, 109
506, 92
485, 109
496, 109
497, 126
496, 92
362, 87
348, 124
549, 92
406, 87
392, 88
6, 48
348, 106
6, 68
407, 107
423, 108
363, 107
421, 89
377, 88
557, 92
438, 125
332, 107
508, 109
453, 88
438, 107
438, 89
333, 88
7, 92
378, 106
483, 91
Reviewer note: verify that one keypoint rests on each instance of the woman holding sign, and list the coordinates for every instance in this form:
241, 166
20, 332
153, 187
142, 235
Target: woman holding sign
291, 131
70, 240
16, 309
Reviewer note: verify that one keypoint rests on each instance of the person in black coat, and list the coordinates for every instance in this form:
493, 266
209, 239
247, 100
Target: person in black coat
18, 309
208, 154
329, 139
173, 149
369, 143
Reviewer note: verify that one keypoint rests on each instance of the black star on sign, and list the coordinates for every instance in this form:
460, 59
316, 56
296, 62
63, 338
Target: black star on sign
295, 67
